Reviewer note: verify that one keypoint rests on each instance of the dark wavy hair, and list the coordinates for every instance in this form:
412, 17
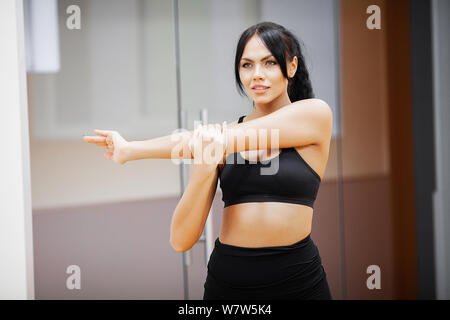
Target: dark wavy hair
284, 45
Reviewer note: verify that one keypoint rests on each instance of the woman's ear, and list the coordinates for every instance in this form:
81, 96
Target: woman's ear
293, 67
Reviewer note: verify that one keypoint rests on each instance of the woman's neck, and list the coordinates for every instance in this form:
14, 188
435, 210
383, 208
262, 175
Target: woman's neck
263, 109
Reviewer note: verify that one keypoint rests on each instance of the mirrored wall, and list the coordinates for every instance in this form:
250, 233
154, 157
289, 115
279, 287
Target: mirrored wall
118, 71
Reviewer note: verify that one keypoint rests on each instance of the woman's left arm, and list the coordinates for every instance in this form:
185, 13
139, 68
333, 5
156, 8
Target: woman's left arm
301, 123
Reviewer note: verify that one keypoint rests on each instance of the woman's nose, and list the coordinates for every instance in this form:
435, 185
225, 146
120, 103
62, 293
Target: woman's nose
258, 72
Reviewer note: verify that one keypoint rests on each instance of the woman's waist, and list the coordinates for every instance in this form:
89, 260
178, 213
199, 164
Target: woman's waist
301, 251
254, 226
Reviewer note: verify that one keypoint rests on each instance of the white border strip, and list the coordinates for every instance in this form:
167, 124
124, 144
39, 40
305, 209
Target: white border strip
16, 239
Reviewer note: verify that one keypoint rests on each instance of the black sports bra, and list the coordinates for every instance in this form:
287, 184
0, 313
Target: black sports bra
291, 180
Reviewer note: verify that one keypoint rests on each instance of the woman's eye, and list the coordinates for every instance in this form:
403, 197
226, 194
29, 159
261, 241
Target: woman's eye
270, 63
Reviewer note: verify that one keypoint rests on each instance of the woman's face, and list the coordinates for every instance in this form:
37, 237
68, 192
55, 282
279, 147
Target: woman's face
259, 67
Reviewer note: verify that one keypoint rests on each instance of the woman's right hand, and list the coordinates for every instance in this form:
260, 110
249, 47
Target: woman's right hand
113, 141
207, 145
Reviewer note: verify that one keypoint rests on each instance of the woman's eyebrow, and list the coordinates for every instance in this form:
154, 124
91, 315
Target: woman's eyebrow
270, 55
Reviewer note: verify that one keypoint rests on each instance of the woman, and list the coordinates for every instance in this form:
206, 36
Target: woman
264, 250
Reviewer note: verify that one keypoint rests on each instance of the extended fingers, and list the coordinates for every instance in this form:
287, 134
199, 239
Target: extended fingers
104, 133
99, 141
103, 140
93, 139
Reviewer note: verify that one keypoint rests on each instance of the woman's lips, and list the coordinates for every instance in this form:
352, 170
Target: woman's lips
260, 90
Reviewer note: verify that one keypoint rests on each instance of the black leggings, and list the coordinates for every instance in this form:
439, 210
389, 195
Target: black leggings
278, 272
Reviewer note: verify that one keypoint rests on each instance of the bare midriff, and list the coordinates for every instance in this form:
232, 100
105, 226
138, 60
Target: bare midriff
263, 224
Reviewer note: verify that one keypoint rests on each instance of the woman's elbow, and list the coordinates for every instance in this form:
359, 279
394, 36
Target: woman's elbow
179, 246
179, 249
